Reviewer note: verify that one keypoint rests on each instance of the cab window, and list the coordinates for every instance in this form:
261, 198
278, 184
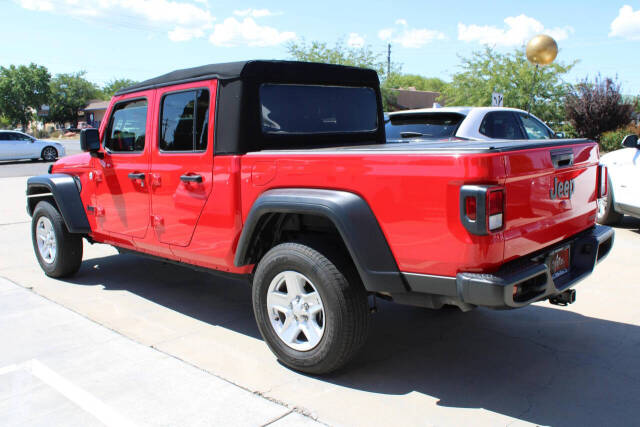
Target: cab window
533, 127
184, 121
127, 127
501, 125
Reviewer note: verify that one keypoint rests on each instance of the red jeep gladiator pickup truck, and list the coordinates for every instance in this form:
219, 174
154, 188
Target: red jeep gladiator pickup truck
279, 171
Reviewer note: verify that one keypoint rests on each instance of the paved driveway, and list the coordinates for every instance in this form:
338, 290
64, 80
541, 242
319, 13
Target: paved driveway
541, 365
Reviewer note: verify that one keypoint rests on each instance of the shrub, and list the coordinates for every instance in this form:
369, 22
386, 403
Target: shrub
595, 108
612, 140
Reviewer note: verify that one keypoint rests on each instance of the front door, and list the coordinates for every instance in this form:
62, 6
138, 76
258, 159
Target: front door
122, 190
182, 160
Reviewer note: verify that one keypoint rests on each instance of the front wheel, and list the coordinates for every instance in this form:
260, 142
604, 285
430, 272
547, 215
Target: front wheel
311, 314
606, 214
49, 154
59, 252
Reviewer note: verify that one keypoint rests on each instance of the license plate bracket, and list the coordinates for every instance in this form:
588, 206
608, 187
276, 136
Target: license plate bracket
560, 261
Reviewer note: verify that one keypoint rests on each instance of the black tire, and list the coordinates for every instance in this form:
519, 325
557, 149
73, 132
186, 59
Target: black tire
68, 256
608, 216
346, 310
49, 154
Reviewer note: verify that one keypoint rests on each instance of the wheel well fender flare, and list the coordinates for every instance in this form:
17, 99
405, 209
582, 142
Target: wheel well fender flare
65, 192
352, 217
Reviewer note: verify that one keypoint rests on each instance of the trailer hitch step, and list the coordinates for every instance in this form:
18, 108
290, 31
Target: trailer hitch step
563, 299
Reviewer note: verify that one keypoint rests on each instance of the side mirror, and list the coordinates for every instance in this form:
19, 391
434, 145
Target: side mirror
560, 135
630, 141
90, 140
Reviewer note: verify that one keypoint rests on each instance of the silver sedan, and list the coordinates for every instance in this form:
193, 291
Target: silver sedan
16, 145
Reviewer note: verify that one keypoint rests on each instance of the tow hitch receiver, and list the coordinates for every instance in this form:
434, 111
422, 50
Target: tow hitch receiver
565, 298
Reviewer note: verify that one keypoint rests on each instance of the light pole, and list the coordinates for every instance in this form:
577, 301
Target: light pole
541, 50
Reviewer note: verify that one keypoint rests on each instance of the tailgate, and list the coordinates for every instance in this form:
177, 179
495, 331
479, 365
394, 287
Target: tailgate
550, 196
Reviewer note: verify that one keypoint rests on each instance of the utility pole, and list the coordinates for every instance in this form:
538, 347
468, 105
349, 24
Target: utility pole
388, 59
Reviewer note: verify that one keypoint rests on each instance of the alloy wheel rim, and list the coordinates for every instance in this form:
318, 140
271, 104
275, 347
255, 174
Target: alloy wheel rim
49, 154
46, 239
296, 310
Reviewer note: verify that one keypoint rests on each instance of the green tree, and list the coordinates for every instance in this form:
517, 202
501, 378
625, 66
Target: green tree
432, 84
23, 89
342, 54
512, 75
114, 85
70, 93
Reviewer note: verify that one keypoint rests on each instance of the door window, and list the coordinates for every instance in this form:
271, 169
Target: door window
127, 127
4, 136
533, 127
501, 125
184, 121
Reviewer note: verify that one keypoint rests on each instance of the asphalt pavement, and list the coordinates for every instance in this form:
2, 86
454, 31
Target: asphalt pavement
541, 365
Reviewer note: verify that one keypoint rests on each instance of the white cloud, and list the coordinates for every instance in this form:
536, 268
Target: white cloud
385, 34
183, 21
519, 29
355, 40
255, 13
626, 24
232, 32
410, 37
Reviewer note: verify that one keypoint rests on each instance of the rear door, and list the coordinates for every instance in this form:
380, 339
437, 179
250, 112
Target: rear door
182, 160
5, 146
122, 190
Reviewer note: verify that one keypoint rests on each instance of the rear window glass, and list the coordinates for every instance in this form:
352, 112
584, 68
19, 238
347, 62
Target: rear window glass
435, 125
309, 109
184, 121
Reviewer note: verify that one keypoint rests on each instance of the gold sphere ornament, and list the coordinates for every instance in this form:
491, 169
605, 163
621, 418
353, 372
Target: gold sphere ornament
542, 50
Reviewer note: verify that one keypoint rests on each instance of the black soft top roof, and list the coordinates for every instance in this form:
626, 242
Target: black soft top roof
260, 70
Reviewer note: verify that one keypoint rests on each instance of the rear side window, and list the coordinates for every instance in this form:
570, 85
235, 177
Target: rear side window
127, 127
533, 127
501, 125
311, 109
432, 125
184, 121
4, 136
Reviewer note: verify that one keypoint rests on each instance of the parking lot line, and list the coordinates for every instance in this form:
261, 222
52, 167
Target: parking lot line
80, 397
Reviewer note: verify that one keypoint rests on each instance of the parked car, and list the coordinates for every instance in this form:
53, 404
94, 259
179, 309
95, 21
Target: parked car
482, 123
623, 197
301, 196
17, 145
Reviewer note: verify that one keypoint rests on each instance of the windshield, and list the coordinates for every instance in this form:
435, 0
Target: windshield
310, 109
428, 125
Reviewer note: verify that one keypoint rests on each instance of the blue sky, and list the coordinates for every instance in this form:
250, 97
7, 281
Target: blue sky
139, 39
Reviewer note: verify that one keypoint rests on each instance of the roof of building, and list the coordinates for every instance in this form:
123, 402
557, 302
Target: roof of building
97, 105
261, 70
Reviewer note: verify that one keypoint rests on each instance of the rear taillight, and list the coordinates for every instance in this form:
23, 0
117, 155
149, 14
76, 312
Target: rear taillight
482, 208
495, 210
602, 181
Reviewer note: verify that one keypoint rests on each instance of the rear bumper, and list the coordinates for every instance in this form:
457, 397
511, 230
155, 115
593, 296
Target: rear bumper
530, 276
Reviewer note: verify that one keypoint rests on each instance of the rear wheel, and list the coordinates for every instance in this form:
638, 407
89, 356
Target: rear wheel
606, 214
49, 154
309, 313
59, 252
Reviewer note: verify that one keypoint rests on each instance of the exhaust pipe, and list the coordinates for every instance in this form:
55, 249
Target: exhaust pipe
563, 299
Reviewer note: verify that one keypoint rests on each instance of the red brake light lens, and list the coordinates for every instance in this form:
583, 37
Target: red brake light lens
470, 208
602, 181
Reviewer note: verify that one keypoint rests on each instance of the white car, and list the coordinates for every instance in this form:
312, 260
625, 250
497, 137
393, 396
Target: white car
483, 123
17, 145
623, 195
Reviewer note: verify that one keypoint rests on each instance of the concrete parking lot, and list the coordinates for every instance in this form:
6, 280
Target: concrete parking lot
541, 365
